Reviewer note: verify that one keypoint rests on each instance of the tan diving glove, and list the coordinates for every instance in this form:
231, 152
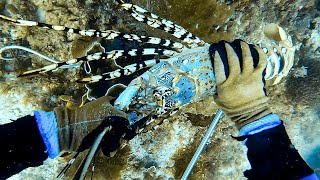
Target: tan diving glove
75, 124
239, 69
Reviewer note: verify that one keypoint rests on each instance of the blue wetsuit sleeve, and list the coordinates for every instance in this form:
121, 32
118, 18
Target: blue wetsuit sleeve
21, 146
271, 153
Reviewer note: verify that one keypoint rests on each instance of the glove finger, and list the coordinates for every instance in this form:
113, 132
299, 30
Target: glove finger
261, 67
236, 45
262, 64
233, 61
220, 48
254, 54
219, 69
247, 59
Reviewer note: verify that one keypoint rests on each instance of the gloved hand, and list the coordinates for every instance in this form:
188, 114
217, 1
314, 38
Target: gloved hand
75, 129
239, 70
75, 124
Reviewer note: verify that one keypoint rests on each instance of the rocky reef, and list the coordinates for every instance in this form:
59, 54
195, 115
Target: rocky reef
164, 153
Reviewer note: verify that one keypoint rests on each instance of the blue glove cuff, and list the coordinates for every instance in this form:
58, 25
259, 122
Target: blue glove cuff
264, 123
48, 128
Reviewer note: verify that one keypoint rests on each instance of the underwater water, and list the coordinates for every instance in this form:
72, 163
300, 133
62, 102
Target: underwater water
163, 153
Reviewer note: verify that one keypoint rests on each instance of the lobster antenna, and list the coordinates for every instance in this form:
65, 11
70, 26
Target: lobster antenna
120, 1
10, 47
93, 166
70, 162
6, 48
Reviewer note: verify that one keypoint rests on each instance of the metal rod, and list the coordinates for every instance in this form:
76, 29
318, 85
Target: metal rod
92, 152
203, 144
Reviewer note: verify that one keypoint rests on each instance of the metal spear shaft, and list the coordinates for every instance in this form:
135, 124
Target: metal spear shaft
203, 144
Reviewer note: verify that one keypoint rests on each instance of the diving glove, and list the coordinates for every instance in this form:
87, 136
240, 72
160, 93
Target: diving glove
65, 129
239, 71
75, 124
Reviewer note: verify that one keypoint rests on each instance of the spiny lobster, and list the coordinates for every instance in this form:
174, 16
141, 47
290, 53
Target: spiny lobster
183, 73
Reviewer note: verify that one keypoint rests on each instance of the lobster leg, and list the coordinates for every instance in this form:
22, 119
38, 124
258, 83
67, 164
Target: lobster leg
69, 164
93, 166
155, 21
108, 34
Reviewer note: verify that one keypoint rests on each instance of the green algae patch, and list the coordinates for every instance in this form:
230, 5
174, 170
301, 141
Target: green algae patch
200, 17
112, 167
197, 16
81, 45
200, 120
